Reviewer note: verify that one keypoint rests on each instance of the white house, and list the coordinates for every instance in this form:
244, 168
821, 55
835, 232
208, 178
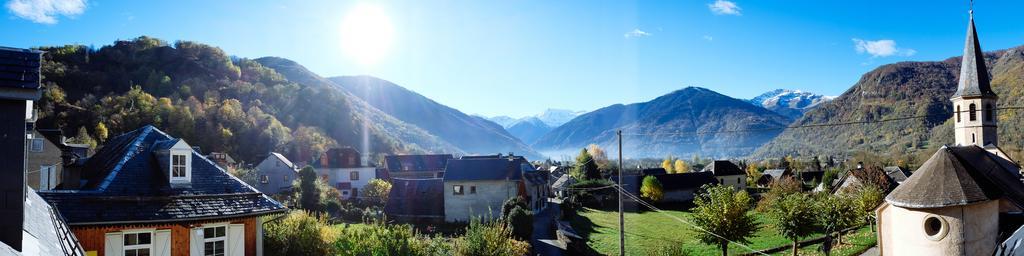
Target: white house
478, 186
345, 169
728, 174
275, 174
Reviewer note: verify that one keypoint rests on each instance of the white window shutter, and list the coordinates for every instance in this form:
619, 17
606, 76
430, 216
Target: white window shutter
236, 240
113, 244
162, 243
195, 243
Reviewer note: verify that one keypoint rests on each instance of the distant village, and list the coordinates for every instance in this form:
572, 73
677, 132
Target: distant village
147, 192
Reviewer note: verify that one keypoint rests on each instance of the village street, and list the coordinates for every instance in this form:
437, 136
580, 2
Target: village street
543, 229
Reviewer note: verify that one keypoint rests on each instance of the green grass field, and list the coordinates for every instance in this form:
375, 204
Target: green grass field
653, 233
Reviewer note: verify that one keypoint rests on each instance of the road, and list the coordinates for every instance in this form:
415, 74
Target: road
543, 229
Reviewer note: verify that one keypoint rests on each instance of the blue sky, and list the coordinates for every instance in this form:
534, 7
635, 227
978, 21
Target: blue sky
520, 57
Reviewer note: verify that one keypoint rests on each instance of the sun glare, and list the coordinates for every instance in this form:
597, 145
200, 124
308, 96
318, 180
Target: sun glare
366, 34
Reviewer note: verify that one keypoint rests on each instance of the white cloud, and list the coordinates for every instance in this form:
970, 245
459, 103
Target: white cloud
723, 7
636, 33
709, 38
45, 11
881, 48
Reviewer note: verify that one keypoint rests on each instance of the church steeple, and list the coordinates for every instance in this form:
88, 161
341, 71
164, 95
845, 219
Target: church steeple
974, 102
974, 81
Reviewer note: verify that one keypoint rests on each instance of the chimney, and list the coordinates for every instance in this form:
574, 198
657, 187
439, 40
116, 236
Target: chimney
19, 86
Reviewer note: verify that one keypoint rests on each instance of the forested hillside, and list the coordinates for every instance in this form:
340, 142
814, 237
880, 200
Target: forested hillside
898, 91
198, 93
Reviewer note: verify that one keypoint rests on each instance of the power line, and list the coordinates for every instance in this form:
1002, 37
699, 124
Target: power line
819, 125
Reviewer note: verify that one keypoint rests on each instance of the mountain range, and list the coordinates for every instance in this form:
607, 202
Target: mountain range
790, 103
551, 117
689, 121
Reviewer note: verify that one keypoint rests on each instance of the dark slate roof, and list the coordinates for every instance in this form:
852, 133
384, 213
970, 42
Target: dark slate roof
416, 198
959, 175
52, 236
896, 173
724, 168
124, 184
536, 177
486, 169
653, 171
685, 181
336, 158
394, 163
777, 174
19, 68
974, 80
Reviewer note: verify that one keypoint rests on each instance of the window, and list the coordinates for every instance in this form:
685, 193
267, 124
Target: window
37, 145
739, 180
973, 115
264, 179
214, 239
344, 192
472, 189
957, 113
178, 166
351, 160
285, 177
935, 227
353, 176
457, 189
988, 112
439, 175
47, 177
138, 244
355, 192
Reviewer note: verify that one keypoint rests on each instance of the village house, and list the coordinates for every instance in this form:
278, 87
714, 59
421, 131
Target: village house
28, 225
683, 187
478, 186
46, 148
896, 173
223, 160
966, 195
275, 174
416, 166
416, 200
856, 178
728, 174
537, 189
346, 170
147, 193
771, 176
560, 186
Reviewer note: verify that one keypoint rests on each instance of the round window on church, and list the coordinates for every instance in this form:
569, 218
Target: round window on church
935, 227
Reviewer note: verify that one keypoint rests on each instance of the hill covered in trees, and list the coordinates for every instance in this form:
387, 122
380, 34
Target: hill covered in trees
473, 134
199, 93
890, 94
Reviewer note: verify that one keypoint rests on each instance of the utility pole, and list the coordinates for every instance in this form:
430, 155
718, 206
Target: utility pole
622, 225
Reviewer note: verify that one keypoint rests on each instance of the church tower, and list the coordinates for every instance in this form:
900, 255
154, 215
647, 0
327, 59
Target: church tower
974, 102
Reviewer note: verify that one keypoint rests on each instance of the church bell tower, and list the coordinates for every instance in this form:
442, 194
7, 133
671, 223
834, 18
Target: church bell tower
974, 102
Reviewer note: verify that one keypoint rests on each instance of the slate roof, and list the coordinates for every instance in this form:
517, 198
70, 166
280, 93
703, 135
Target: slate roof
124, 184
284, 160
477, 169
416, 198
394, 163
19, 68
896, 173
959, 175
42, 223
723, 168
653, 171
777, 174
685, 181
974, 80
563, 181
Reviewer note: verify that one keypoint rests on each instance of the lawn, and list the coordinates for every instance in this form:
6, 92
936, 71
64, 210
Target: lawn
652, 233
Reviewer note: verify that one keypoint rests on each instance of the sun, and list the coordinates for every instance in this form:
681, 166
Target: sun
366, 34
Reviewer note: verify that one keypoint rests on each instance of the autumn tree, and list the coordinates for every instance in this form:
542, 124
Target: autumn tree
651, 189
377, 190
101, 132
680, 167
668, 164
309, 193
585, 168
794, 217
599, 155
836, 213
724, 211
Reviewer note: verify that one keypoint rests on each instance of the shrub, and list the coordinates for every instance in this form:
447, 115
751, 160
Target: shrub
376, 192
651, 189
520, 221
488, 239
299, 233
512, 203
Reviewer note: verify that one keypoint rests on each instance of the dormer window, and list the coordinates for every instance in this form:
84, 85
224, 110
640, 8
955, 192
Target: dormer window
178, 166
